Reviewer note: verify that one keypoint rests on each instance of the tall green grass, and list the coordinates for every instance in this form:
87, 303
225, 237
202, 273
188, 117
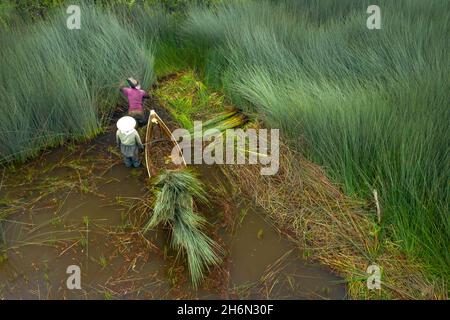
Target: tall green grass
372, 106
156, 23
58, 84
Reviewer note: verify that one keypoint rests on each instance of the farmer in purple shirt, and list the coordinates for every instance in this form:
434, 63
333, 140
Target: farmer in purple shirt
135, 95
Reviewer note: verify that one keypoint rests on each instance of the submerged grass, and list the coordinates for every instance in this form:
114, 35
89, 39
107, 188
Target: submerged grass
175, 191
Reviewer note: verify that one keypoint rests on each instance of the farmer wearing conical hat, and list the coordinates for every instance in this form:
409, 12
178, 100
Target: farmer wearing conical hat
128, 141
135, 95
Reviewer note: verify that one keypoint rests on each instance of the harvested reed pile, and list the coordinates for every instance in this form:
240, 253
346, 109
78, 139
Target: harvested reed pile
225, 120
175, 191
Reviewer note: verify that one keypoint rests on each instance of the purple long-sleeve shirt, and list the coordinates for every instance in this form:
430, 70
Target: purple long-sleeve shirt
135, 97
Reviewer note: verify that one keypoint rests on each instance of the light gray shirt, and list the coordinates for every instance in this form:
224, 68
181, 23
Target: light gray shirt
129, 138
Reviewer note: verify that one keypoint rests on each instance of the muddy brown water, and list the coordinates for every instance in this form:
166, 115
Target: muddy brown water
89, 230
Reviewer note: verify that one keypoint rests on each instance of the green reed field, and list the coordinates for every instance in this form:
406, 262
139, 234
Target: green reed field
370, 106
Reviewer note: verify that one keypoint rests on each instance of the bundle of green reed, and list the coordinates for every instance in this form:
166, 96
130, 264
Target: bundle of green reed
175, 191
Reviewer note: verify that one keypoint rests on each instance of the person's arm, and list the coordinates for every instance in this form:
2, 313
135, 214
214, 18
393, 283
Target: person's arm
146, 95
117, 139
138, 141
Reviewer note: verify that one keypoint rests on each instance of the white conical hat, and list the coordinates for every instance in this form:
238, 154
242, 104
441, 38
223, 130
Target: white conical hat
126, 124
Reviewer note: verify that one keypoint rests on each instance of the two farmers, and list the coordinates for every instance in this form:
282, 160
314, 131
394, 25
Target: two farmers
127, 137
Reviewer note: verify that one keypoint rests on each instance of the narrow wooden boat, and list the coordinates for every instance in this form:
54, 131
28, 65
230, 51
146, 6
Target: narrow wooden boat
159, 143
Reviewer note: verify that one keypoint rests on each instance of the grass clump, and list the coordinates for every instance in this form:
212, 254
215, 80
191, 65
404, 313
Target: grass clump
175, 191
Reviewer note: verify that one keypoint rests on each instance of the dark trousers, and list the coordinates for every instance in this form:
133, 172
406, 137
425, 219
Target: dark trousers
140, 117
132, 161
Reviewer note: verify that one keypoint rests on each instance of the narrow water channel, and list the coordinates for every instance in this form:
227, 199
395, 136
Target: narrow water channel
90, 230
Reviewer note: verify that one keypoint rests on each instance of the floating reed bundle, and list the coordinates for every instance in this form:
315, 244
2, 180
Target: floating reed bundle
176, 188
